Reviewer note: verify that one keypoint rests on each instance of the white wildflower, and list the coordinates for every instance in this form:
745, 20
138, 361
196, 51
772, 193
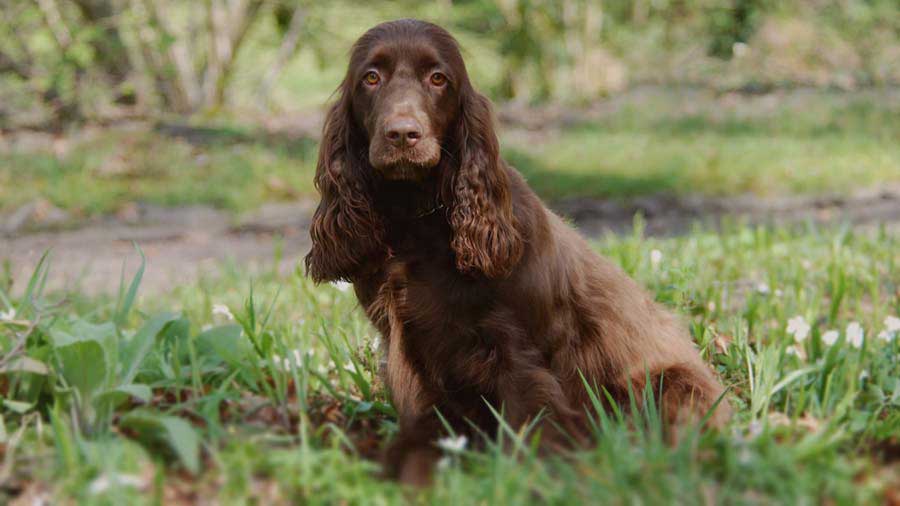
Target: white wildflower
444, 463
342, 285
222, 310
799, 328
892, 324
711, 306
281, 363
8, 315
763, 288
656, 257
855, 334
863, 376
886, 336
376, 343
796, 351
830, 337
106, 481
298, 358
453, 444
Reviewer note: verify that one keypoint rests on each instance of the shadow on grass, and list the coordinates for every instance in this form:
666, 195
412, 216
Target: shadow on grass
553, 183
294, 145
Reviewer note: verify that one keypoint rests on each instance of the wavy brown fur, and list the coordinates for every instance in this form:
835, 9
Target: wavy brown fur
483, 296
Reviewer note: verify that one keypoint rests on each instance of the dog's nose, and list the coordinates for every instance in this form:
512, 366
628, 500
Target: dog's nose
403, 132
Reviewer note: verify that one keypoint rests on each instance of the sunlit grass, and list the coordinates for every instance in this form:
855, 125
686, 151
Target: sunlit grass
668, 143
277, 380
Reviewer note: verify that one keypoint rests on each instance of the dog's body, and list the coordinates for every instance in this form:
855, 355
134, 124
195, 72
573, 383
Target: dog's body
483, 296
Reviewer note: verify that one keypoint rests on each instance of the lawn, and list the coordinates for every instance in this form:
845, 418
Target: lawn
264, 390
678, 143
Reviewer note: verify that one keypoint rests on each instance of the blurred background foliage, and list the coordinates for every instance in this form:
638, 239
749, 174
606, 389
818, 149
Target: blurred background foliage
65, 61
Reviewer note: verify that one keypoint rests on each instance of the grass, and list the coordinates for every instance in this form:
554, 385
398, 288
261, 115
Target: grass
265, 391
670, 142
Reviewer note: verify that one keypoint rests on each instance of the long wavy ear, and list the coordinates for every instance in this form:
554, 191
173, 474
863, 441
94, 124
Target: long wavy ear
347, 233
485, 234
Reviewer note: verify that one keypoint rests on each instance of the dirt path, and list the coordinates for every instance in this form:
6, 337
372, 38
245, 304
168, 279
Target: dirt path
182, 244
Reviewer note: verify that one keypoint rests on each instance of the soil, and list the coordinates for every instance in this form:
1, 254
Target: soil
182, 244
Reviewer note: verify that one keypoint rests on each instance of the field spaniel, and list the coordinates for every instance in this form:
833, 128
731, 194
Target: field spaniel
482, 295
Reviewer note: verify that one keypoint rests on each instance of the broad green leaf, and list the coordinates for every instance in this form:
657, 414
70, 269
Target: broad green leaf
17, 406
119, 394
135, 350
224, 344
83, 366
173, 432
103, 335
25, 364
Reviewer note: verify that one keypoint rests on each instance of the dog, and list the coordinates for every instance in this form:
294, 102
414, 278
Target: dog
483, 296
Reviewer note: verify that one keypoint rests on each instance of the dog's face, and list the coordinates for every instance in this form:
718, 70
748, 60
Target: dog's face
405, 97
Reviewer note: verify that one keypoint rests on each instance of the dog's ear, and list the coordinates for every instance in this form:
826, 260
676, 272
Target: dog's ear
486, 238
347, 234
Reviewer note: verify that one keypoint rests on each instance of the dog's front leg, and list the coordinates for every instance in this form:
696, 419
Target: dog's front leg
412, 454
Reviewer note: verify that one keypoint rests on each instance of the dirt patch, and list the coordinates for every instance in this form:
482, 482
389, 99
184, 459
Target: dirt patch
184, 243
667, 215
180, 244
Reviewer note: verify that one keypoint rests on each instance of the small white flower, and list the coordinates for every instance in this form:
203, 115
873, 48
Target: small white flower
222, 310
792, 350
863, 376
891, 323
342, 285
886, 336
830, 337
453, 444
799, 328
298, 358
444, 463
711, 306
278, 362
656, 257
8, 315
855, 334
106, 481
376, 343
763, 288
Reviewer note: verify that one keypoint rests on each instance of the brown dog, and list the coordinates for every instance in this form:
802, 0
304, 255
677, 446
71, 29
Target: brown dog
483, 296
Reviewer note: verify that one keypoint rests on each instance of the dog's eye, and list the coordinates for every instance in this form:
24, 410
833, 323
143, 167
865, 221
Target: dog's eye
371, 78
438, 79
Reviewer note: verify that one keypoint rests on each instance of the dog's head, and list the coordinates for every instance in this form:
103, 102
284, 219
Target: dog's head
407, 111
